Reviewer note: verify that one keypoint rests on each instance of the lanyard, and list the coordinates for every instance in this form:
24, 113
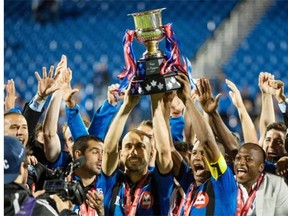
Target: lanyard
242, 209
87, 211
130, 208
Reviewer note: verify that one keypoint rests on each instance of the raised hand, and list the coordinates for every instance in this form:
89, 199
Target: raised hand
47, 84
185, 92
277, 89
131, 100
68, 92
10, 95
205, 96
235, 94
264, 78
113, 94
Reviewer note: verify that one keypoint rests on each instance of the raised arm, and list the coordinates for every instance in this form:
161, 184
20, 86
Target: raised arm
248, 128
52, 143
209, 104
110, 156
105, 114
161, 131
267, 112
201, 127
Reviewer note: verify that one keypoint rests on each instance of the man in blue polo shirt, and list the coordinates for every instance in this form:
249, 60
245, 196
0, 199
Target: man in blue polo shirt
136, 191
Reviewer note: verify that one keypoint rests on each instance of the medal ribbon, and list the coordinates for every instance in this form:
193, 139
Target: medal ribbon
242, 209
188, 202
130, 208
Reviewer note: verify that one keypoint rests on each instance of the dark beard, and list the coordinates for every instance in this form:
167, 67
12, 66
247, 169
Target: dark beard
139, 168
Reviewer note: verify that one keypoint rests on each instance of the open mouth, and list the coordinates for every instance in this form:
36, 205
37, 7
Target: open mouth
241, 172
272, 154
98, 166
134, 160
199, 169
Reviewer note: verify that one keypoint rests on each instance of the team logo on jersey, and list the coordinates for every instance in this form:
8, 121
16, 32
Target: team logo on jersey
146, 200
202, 200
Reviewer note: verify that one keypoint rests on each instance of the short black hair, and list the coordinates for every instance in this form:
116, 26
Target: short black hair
81, 142
277, 126
182, 146
255, 147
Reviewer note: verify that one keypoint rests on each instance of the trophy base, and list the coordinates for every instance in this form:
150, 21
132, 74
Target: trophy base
155, 84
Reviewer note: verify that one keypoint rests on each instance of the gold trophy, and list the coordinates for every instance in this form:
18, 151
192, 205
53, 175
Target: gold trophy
152, 73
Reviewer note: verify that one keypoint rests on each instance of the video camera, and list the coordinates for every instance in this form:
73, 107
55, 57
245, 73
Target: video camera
56, 181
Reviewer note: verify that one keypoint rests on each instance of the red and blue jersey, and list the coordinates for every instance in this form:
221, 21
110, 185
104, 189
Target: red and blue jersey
153, 197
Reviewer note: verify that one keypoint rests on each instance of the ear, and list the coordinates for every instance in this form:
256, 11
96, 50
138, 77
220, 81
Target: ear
261, 167
77, 154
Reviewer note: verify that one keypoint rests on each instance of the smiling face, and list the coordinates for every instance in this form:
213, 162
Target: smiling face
15, 125
198, 165
274, 144
248, 165
135, 152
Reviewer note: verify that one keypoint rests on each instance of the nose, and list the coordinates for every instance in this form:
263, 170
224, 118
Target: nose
133, 151
241, 160
20, 131
198, 156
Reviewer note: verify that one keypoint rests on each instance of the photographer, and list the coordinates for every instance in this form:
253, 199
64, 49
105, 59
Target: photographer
17, 199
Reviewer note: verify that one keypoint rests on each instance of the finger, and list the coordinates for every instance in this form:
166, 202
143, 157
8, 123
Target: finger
202, 86
64, 61
208, 86
56, 198
217, 98
57, 75
231, 94
74, 91
231, 85
50, 74
37, 76
44, 73
38, 193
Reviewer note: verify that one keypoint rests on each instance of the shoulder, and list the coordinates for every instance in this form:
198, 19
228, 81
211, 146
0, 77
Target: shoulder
42, 207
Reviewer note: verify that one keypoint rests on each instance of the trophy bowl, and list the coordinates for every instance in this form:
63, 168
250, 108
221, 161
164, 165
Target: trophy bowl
149, 31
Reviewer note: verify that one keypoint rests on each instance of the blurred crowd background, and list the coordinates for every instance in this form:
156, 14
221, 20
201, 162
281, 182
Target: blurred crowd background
222, 38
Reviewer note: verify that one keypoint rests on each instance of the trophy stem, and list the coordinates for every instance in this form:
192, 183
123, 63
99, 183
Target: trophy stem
152, 50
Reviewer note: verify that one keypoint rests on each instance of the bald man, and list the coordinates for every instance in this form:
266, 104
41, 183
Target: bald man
259, 193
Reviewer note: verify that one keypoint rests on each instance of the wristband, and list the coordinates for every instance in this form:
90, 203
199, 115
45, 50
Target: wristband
41, 97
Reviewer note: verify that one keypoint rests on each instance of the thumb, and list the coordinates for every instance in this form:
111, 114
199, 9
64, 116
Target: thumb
74, 91
217, 98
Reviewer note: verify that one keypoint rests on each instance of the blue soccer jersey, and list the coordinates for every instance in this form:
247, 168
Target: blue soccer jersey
217, 196
153, 197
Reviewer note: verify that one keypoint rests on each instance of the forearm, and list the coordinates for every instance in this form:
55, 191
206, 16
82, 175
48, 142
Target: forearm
267, 113
110, 148
75, 122
52, 143
248, 128
203, 132
162, 138
103, 119
222, 131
